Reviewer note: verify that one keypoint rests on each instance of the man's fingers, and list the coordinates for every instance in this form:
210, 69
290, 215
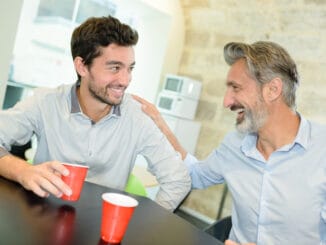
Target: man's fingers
36, 188
59, 168
54, 176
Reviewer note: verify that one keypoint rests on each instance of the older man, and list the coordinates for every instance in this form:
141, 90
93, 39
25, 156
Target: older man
275, 163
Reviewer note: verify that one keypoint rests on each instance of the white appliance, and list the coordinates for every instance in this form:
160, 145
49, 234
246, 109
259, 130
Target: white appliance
182, 86
176, 105
179, 96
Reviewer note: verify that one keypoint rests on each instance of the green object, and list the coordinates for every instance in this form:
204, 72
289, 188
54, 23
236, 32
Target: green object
135, 186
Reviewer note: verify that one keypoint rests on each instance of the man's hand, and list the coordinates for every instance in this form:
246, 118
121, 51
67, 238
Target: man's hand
44, 179
229, 242
153, 113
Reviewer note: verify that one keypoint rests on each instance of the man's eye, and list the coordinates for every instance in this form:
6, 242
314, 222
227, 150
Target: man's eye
114, 68
235, 88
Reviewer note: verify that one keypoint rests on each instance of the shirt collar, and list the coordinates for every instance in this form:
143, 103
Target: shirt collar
304, 133
75, 107
302, 138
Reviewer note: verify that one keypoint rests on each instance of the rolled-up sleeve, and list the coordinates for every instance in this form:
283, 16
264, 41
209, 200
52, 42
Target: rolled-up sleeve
203, 173
166, 164
17, 124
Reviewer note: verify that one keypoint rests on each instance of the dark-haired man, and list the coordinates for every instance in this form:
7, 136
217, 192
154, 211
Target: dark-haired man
91, 122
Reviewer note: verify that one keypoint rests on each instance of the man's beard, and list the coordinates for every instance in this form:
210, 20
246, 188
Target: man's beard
253, 119
101, 95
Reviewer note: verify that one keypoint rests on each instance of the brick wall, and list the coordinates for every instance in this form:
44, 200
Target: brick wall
299, 26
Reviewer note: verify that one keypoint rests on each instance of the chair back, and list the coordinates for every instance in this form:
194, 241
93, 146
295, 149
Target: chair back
220, 229
135, 186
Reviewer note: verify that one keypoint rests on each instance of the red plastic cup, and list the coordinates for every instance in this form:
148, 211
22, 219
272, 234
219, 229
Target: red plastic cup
116, 214
75, 179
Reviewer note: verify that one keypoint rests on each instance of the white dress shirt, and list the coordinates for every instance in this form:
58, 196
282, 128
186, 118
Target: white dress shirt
109, 147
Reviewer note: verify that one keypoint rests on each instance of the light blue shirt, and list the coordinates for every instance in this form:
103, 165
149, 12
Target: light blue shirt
278, 201
109, 147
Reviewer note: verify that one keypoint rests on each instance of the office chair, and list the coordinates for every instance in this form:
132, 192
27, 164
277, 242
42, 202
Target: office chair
222, 202
19, 151
135, 186
220, 229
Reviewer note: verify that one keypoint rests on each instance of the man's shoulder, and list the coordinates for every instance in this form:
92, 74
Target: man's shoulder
317, 128
131, 106
131, 109
46, 92
235, 136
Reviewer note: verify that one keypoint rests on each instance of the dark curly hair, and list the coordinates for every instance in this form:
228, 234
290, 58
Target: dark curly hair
97, 32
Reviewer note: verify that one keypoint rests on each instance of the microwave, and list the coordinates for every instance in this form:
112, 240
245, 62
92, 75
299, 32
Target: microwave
176, 105
183, 86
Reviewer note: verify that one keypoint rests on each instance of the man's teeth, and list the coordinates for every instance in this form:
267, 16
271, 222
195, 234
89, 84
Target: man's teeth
239, 110
117, 89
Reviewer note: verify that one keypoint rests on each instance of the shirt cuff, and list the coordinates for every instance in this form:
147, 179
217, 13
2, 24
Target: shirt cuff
3, 152
190, 160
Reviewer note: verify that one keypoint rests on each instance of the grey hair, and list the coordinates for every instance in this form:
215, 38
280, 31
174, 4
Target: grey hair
266, 61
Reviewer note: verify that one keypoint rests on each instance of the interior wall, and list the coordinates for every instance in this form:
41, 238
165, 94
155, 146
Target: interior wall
299, 26
175, 36
9, 12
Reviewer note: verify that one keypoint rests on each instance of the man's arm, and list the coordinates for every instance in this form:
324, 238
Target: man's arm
152, 111
229, 242
43, 179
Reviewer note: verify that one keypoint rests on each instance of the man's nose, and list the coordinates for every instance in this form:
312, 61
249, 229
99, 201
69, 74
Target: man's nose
125, 77
228, 99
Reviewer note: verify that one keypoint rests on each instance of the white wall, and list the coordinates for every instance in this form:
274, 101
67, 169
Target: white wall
9, 12
153, 26
157, 53
175, 36
161, 37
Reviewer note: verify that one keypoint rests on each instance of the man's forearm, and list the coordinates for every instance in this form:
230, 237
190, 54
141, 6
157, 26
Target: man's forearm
11, 166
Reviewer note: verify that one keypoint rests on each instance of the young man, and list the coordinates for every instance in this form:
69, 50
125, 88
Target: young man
91, 122
274, 165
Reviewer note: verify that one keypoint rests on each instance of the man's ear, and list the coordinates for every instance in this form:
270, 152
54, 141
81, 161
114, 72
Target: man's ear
273, 89
80, 67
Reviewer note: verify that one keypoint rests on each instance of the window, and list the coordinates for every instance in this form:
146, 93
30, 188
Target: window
44, 37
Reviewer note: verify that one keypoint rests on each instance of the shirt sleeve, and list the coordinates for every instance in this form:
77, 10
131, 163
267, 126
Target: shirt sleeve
165, 164
3, 152
18, 124
204, 173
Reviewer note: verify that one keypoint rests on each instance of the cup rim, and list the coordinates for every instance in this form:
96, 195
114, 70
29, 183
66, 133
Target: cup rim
75, 165
125, 200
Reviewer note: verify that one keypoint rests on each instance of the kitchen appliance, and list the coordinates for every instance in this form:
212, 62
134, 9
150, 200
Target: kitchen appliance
176, 105
179, 96
182, 86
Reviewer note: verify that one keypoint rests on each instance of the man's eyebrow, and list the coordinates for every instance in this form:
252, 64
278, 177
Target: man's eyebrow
114, 62
230, 83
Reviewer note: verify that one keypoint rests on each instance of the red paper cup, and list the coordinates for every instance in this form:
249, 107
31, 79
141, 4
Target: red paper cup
75, 180
116, 214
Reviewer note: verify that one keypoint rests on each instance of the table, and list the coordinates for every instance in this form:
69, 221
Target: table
28, 219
